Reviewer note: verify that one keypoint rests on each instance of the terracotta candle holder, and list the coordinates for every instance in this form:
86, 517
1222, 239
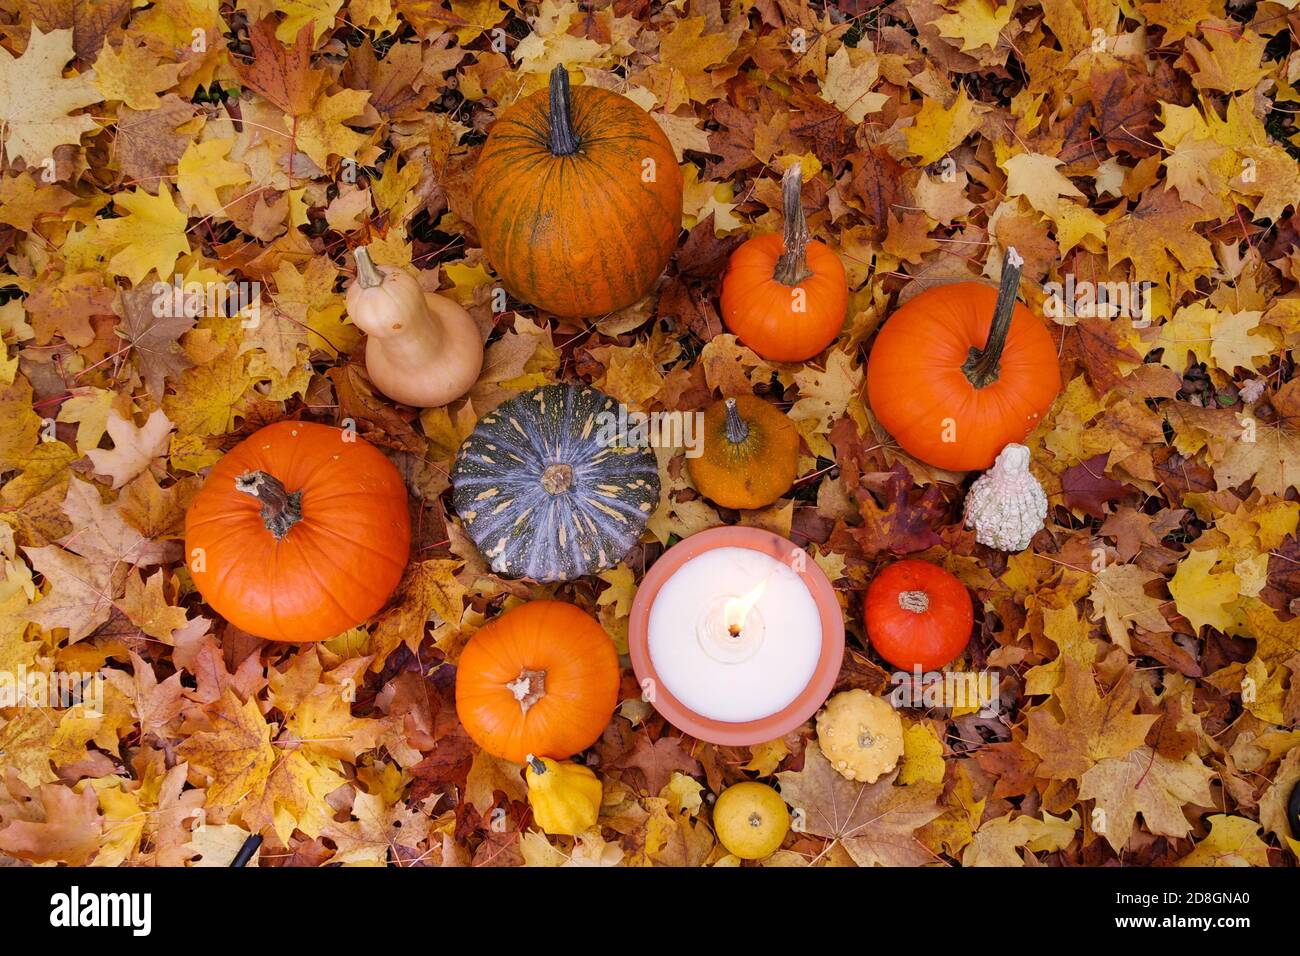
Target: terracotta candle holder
738, 647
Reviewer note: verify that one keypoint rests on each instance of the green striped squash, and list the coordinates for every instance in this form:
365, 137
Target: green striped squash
546, 490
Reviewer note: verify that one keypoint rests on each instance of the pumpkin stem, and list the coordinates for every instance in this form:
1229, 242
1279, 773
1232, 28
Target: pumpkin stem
981, 366
563, 141
537, 766
918, 602
528, 688
367, 275
281, 509
792, 266
737, 431
557, 478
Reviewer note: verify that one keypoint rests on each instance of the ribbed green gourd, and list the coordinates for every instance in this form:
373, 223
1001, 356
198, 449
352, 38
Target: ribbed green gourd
546, 489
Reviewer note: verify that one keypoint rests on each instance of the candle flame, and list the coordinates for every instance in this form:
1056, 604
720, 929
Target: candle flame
737, 609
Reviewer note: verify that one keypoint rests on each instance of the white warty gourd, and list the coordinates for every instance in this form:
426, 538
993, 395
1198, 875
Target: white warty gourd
1006, 505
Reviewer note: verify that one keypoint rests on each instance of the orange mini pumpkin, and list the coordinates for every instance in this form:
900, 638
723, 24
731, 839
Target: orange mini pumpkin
785, 296
577, 199
750, 454
299, 533
540, 679
961, 371
918, 615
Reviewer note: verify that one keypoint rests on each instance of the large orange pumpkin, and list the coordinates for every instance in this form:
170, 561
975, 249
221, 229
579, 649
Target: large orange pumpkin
785, 296
299, 533
540, 679
577, 199
961, 371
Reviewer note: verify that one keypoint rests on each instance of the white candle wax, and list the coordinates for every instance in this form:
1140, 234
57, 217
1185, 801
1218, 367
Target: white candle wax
743, 676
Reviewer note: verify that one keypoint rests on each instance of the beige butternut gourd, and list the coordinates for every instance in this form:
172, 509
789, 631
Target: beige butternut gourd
422, 349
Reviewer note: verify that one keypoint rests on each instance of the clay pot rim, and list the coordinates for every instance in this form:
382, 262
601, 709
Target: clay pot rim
743, 733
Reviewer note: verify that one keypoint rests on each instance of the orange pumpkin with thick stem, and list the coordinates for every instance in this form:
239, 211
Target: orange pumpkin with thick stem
785, 296
540, 679
961, 371
577, 199
918, 615
299, 533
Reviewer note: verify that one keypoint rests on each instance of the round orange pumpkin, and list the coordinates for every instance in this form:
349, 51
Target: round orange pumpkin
577, 199
299, 533
750, 453
918, 615
785, 296
540, 679
960, 372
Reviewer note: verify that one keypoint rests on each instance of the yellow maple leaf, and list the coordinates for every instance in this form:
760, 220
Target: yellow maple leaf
210, 396
937, 130
686, 54
826, 395
850, 74
475, 17
1233, 841
1239, 341
1160, 238
1230, 63
1119, 596
621, 590
35, 98
922, 755
321, 133
1204, 595
202, 170
150, 236
133, 75
976, 23
235, 751
764, 758
309, 299
1179, 18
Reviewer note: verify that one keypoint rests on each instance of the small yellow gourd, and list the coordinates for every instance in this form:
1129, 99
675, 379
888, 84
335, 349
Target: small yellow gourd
751, 820
422, 349
861, 735
565, 797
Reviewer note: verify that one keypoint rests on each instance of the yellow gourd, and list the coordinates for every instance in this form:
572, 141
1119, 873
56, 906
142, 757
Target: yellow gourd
861, 735
751, 820
422, 349
565, 797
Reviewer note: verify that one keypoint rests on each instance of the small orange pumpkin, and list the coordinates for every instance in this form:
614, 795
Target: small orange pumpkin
577, 199
540, 679
785, 297
299, 533
750, 453
960, 372
918, 615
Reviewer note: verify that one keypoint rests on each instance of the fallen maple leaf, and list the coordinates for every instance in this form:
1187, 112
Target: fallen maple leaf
36, 99
876, 823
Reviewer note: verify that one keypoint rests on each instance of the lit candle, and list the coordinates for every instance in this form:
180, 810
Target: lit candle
736, 635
